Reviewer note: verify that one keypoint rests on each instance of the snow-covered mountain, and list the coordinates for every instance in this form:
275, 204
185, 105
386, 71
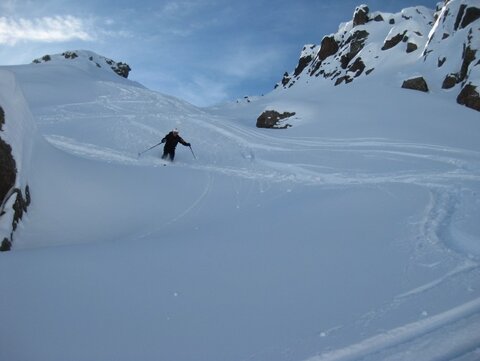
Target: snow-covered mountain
418, 48
352, 234
118, 68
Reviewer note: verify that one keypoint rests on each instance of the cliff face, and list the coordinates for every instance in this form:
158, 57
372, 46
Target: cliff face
12, 199
435, 49
16, 140
8, 168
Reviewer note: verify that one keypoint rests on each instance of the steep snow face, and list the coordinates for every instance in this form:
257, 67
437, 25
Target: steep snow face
19, 133
439, 46
19, 128
80, 78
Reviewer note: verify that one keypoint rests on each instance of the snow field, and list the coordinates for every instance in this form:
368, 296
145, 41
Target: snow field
350, 236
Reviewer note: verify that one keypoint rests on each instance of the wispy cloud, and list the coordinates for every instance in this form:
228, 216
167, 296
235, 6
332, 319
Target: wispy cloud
44, 29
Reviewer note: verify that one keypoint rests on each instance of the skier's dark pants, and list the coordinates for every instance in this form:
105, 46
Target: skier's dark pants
168, 152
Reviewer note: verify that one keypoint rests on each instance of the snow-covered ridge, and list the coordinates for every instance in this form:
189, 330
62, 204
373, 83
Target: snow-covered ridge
83, 57
440, 48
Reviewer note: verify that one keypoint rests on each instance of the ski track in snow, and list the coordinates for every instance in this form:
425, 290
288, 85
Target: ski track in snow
467, 342
460, 167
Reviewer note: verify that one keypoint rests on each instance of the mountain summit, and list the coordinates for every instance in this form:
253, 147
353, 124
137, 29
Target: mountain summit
80, 56
417, 48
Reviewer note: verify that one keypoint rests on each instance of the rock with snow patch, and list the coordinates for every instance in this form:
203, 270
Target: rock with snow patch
417, 83
448, 39
393, 41
273, 119
119, 68
469, 97
360, 16
8, 170
17, 131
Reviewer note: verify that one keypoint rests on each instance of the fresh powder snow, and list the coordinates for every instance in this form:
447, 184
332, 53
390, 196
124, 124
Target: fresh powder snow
352, 235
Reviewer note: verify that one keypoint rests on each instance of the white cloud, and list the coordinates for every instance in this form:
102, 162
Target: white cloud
45, 29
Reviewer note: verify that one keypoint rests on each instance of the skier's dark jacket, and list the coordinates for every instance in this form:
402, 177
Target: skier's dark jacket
171, 140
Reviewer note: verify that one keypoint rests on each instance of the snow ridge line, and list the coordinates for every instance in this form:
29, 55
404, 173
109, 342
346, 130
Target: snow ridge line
407, 333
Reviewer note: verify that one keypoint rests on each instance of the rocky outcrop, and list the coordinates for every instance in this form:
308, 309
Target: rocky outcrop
454, 45
393, 41
447, 38
417, 83
2, 118
13, 202
273, 119
469, 97
360, 16
340, 57
328, 47
121, 69
8, 170
465, 16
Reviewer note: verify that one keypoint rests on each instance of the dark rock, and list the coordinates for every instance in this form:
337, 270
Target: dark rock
466, 16
411, 47
418, 83
2, 118
360, 17
28, 197
461, 12
19, 207
342, 79
286, 79
122, 69
441, 61
390, 43
70, 55
378, 18
271, 119
469, 97
468, 56
471, 15
8, 169
357, 67
6, 245
449, 82
302, 64
8, 175
328, 47
356, 42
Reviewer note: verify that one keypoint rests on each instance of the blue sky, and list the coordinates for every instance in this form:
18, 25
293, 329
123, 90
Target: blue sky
204, 51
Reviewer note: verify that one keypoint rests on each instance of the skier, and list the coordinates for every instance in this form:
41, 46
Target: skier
171, 140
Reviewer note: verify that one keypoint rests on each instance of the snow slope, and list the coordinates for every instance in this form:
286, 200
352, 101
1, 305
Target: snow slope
18, 132
352, 235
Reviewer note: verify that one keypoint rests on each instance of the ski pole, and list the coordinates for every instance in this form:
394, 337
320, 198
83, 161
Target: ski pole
146, 150
192, 152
